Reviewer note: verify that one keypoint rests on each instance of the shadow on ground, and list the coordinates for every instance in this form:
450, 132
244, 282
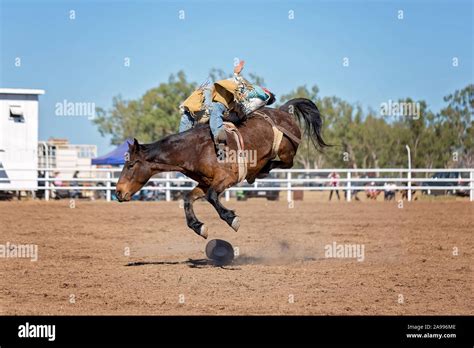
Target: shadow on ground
207, 263
193, 263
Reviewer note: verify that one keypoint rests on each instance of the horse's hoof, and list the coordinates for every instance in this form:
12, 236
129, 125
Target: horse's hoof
203, 231
235, 223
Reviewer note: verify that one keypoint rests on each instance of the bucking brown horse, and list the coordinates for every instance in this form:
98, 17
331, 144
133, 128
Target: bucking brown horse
193, 153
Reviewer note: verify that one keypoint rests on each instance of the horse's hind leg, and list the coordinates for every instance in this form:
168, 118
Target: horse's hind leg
191, 219
286, 153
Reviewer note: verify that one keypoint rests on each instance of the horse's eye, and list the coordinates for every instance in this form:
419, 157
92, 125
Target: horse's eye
130, 165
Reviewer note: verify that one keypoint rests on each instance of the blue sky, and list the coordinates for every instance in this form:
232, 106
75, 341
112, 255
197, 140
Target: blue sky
81, 60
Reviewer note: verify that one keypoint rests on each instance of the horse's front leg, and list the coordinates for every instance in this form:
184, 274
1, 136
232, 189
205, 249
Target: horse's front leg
225, 214
191, 219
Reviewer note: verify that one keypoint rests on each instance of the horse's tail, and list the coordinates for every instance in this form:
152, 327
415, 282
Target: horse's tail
307, 113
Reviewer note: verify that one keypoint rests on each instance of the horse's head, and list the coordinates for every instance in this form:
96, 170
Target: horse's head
135, 173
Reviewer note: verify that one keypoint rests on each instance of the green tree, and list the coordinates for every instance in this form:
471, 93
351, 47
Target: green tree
360, 139
457, 127
154, 115
149, 118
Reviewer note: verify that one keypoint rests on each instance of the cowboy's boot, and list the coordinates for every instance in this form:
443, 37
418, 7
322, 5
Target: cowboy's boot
220, 142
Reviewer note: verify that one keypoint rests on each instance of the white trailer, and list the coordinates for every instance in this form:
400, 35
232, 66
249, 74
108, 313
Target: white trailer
18, 138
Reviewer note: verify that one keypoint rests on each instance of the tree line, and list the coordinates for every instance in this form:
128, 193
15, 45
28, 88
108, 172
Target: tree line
359, 138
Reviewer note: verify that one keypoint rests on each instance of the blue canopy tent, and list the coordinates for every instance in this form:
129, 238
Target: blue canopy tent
115, 157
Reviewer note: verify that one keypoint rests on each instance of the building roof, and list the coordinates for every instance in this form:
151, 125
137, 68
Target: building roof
21, 91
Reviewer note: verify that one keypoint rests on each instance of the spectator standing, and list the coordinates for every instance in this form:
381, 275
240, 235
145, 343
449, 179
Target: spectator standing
334, 183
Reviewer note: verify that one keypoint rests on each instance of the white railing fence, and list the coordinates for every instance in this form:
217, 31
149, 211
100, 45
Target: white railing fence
289, 180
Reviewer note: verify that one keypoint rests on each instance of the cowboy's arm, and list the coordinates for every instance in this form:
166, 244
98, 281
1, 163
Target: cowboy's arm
239, 67
237, 70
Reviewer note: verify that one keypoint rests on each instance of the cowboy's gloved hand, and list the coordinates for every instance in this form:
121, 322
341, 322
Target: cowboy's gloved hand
239, 67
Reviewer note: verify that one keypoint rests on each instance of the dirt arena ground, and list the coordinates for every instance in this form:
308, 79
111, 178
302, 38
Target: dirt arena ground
417, 259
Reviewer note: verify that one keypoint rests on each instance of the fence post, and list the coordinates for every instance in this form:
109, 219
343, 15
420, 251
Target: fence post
108, 193
46, 184
227, 195
168, 191
409, 184
471, 184
349, 193
288, 185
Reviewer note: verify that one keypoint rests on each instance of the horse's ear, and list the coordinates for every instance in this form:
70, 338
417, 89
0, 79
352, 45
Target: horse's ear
136, 146
133, 147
